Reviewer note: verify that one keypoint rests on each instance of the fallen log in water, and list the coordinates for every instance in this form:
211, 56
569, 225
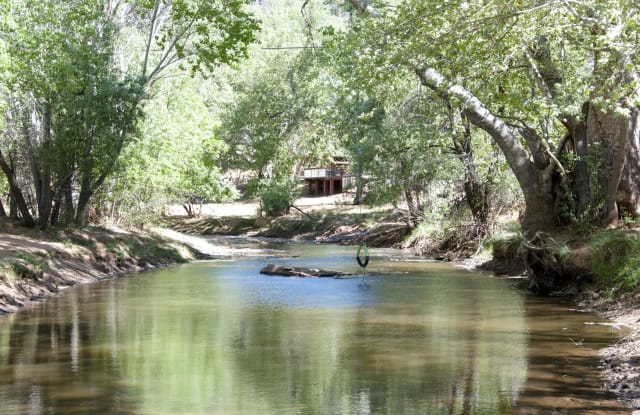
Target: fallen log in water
285, 271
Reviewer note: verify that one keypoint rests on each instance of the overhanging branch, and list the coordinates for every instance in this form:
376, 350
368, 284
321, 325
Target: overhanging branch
481, 117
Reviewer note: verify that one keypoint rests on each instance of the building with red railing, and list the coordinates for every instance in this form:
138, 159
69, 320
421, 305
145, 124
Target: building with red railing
328, 181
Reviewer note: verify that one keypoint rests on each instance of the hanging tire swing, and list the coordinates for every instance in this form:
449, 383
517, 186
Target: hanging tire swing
363, 262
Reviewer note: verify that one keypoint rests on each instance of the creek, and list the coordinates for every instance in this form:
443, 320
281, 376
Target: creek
408, 337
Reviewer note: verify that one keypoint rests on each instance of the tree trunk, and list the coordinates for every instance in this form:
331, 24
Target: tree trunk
3, 213
581, 187
476, 193
69, 213
13, 206
56, 208
85, 173
414, 206
36, 133
628, 196
188, 208
478, 201
45, 201
82, 209
359, 185
608, 136
539, 196
16, 193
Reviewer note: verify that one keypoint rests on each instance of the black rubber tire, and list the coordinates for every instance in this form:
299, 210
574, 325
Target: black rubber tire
362, 263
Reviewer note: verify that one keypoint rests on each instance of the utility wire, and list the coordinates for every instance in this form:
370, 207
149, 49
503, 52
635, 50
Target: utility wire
291, 47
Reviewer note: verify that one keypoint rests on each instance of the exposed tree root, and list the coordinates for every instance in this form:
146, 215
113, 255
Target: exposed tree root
549, 265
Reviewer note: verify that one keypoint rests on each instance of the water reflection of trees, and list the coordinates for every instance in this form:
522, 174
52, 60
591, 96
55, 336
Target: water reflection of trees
48, 346
448, 345
459, 350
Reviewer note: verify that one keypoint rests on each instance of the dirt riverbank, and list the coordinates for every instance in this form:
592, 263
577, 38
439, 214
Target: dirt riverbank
37, 265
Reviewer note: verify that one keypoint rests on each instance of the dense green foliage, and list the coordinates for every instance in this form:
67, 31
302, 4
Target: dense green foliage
534, 104
175, 160
75, 78
299, 101
275, 123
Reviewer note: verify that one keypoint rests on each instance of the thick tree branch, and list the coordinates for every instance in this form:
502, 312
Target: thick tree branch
536, 146
481, 117
307, 23
538, 74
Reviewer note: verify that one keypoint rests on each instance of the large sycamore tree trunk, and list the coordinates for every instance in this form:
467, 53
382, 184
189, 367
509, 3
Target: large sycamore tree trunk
606, 141
628, 191
608, 134
607, 144
533, 173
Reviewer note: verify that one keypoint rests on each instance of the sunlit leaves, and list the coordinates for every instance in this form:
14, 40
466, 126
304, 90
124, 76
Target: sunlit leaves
200, 34
84, 67
175, 159
487, 47
273, 120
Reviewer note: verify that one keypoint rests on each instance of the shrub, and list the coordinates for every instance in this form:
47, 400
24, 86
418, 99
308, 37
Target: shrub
615, 260
276, 195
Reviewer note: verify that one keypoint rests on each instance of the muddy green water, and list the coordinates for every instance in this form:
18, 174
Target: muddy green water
218, 338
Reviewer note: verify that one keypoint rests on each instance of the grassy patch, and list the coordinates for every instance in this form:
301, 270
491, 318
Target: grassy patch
21, 270
142, 250
163, 252
505, 244
152, 250
615, 258
30, 258
26, 265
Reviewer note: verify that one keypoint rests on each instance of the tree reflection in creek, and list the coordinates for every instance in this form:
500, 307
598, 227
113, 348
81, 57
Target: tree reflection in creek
217, 338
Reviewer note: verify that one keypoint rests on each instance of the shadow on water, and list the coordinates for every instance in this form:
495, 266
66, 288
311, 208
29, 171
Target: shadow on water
218, 338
